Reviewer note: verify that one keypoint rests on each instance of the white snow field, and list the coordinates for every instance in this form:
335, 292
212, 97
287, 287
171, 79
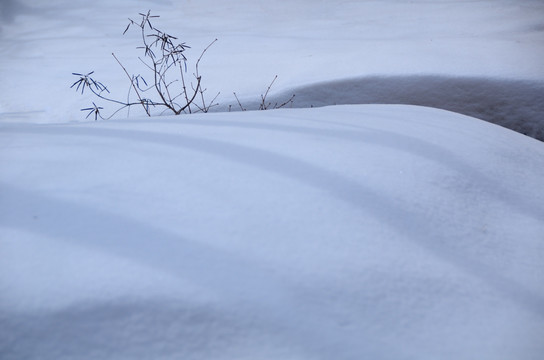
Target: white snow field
393, 226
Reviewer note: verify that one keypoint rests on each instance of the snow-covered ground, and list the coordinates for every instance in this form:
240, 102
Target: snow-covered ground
337, 232
478, 58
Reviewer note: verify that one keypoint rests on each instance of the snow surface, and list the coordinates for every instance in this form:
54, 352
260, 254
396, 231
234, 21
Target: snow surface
478, 58
338, 232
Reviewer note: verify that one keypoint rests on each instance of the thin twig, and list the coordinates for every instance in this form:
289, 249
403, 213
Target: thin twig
193, 98
133, 85
239, 103
263, 105
285, 103
198, 75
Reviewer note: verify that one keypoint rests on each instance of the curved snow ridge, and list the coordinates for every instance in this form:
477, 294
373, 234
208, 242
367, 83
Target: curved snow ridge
515, 104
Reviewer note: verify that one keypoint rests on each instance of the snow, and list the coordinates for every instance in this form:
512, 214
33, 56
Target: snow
393, 226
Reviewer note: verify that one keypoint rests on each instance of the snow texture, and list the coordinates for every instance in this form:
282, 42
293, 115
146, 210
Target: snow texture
398, 225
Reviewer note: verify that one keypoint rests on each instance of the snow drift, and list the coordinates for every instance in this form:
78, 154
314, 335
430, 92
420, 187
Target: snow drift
339, 232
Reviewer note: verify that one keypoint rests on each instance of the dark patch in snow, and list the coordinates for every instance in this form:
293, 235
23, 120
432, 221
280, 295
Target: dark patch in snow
514, 104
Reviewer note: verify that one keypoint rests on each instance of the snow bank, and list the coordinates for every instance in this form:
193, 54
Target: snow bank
342, 232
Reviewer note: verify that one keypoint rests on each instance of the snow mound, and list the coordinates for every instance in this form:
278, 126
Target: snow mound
344, 232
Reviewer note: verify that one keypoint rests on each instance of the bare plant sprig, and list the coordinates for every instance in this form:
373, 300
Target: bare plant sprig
93, 110
86, 81
204, 108
264, 105
162, 55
